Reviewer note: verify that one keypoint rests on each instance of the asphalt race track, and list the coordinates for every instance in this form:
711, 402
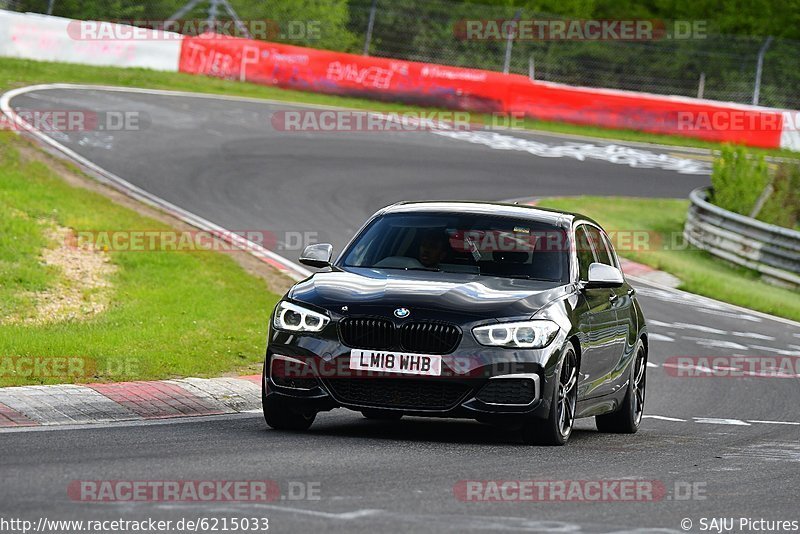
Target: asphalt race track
736, 441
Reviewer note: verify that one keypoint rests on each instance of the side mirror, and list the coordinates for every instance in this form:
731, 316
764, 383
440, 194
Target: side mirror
318, 255
602, 275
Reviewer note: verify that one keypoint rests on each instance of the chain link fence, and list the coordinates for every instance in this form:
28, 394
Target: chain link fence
717, 67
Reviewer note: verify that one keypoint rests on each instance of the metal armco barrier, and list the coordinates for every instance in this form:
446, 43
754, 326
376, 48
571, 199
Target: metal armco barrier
771, 250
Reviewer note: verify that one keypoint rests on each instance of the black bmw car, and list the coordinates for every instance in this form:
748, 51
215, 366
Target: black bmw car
498, 312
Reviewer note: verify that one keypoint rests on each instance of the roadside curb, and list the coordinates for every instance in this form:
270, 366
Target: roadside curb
67, 404
645, 272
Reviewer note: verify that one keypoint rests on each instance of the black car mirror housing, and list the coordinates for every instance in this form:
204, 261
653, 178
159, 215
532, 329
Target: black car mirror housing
318, 255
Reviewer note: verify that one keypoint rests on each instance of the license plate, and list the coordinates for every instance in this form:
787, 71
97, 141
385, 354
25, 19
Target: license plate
396, 362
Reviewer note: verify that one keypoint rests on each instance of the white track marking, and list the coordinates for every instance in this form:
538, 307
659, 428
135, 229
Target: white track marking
651, 364
716, 421
714, 343
782, 352
233, 507
699, 328
684, 367
617, 154
730, 315
773, 422
664, 418
687, 326
769, 452
753, 335
347, 516
656, 322
660, 337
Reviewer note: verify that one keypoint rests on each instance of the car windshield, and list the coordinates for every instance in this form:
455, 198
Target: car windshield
467, 243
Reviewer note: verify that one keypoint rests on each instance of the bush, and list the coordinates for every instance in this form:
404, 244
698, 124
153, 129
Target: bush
783, 205
738, 180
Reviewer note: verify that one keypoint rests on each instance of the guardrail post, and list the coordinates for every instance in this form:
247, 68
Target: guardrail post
759, 69
370, 26
510, 41
701, 85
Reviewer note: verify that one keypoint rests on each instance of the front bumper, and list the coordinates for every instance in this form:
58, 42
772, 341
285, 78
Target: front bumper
477, 382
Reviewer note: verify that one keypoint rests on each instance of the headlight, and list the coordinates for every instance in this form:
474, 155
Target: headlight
292, 317
524, 335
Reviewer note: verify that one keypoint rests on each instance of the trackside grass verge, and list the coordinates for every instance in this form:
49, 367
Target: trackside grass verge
699, 272
94, 315
18, 72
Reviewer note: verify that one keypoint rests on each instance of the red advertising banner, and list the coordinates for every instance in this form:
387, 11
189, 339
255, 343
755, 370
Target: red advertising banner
323, 71
625, 110
428, 84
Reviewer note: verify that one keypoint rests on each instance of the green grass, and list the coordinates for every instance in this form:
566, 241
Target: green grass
170, 314
18, 73
699, 272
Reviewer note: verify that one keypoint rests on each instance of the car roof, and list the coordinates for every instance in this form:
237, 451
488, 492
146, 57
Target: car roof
527, 211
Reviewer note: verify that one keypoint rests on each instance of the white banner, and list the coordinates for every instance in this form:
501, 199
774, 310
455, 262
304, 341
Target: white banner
44, 38
790, 136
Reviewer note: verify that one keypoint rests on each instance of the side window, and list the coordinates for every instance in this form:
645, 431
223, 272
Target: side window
598, 244
610, 247
584, 251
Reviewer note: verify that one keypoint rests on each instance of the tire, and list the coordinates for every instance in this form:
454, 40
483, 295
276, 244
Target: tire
381, 415
557, 428
627, 419
279, 414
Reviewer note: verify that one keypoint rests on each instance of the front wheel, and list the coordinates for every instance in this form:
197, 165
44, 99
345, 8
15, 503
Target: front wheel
627, 419
279, 414
557, 428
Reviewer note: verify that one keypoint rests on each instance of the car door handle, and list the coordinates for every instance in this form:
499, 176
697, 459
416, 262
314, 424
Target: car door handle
613, 297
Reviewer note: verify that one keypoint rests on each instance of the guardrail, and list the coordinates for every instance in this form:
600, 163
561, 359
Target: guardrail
771, 250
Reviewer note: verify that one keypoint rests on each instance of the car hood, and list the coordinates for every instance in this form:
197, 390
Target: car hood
428, 295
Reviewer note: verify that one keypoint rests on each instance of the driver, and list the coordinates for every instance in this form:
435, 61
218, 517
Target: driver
434, 247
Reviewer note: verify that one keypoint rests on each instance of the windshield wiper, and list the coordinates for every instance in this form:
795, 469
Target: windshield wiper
434, 269
520, 276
